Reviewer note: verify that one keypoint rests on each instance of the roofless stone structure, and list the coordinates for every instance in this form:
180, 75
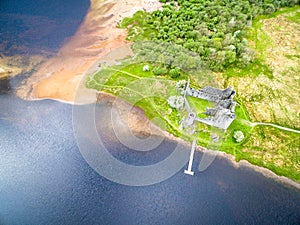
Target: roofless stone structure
221, 116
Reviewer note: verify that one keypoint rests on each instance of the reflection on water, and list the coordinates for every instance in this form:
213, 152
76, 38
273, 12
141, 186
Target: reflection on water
4, 86
35, 27
45, 180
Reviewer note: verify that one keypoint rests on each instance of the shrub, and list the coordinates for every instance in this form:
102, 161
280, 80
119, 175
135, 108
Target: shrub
175, 73
239, 136
269, 8
159, 71
180, 84
176, 102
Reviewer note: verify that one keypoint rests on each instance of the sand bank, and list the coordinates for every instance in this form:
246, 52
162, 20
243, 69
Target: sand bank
59, 77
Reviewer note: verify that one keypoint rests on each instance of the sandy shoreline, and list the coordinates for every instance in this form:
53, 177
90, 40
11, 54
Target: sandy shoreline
59, 77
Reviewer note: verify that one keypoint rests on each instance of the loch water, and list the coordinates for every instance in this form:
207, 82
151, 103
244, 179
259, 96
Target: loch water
44, 178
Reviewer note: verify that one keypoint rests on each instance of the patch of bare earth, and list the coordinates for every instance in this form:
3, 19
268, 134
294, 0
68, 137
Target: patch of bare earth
131, 116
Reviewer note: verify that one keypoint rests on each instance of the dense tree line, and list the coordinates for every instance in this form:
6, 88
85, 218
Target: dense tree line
215, 30
168, 56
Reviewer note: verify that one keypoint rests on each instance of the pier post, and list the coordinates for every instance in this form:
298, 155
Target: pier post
189, 170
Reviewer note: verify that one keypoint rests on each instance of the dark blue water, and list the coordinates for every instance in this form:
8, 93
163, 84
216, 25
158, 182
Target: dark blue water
34, 27
45, 180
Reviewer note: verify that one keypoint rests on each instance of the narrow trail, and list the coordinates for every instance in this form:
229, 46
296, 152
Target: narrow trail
274, 125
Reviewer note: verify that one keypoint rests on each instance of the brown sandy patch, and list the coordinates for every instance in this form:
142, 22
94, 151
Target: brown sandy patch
59, 77
134, 117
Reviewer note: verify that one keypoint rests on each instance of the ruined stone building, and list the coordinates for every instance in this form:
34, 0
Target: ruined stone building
222, 115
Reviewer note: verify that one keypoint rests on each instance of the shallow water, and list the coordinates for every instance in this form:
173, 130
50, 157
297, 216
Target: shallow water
44, 178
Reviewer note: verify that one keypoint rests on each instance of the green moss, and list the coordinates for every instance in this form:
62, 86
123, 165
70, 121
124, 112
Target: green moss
260, 39
295, 18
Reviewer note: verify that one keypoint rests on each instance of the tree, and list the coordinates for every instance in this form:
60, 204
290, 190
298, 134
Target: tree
202, 25
159, 71
163, 1
230, 57
239, 136
176, 102
175, 73
269, 8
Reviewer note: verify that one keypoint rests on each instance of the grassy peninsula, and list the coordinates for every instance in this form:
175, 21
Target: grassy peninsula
250, 45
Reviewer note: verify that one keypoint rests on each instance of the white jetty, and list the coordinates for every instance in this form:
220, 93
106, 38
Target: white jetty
189, 170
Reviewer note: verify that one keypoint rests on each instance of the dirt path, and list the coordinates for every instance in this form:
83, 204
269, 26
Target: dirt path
274, 125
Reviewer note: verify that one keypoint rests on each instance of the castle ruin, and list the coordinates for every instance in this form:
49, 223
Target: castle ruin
221, 116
